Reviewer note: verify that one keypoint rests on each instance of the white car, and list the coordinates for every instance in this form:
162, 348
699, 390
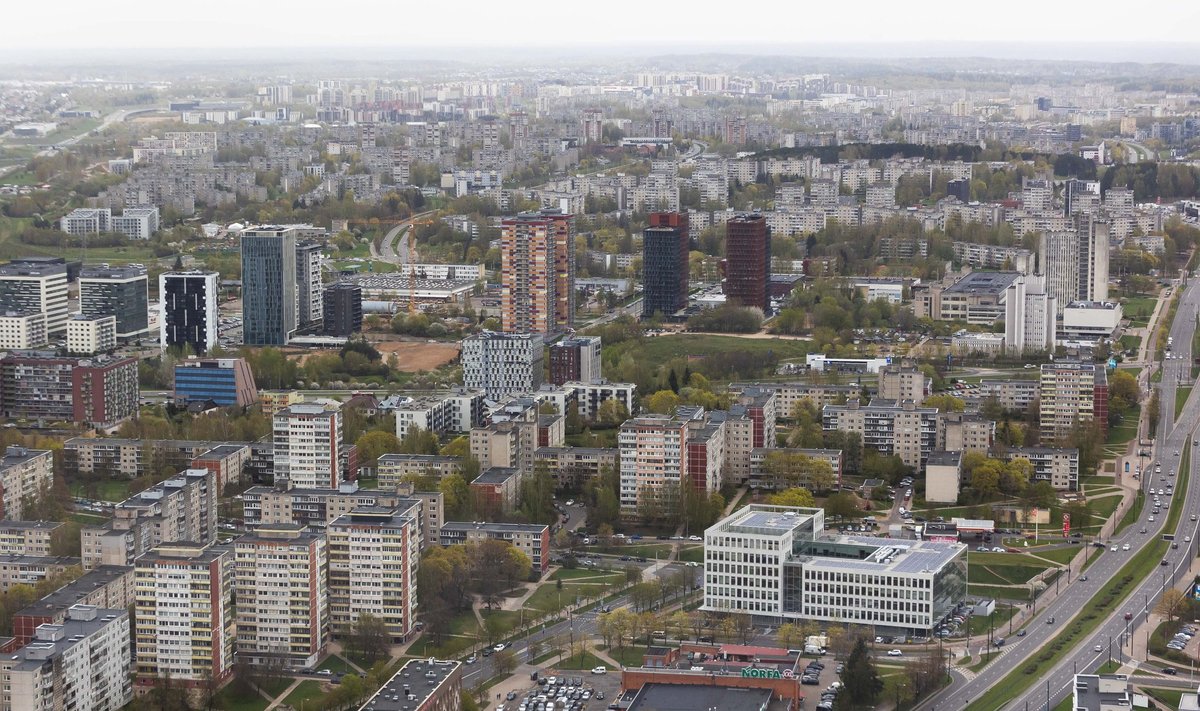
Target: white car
1126, 546
599, 670
500, 647
895, 653
695, 538
1187, 539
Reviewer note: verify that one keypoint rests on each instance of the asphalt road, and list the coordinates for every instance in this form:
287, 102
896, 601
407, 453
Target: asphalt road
1052, 687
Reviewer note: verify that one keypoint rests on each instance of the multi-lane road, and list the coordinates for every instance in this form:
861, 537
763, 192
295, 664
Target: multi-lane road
1173, 439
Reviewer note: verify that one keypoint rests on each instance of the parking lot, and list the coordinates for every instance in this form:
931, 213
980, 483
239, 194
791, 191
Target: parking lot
578, 691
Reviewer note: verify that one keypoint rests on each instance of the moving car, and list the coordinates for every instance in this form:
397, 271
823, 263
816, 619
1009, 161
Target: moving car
895, 653
599, 670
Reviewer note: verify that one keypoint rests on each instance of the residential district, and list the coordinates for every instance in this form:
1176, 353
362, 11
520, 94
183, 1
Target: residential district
653, 390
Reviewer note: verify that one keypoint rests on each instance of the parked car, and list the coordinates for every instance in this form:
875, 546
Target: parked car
895, 653
599, 670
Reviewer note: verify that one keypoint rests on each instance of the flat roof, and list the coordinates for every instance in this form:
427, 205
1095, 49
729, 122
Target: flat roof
72, 593
420, 678
769, 520
945, 459
983, 283
886, 555
491, 526
690, 697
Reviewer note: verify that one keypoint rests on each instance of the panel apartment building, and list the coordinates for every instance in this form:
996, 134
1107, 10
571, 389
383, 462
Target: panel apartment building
1069, 393
890, 428
24, 475
537, 272
373, 557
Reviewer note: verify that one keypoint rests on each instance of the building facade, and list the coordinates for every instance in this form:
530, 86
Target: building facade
190, 310
665, 268
748, 261
123, 292
270, 311
576, 359
1070, 393
91, 335
308, 445
25, 474
21, 330
36, 288
227, 382
532, 539
502, 364
373, 557
537, 272
342, 311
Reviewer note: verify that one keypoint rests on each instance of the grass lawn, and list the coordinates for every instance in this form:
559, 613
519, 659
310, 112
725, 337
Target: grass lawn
1127, 430
1059, 555
629, 656
308, 689
1138, 309
235, 697
1102, 507
1181, 396
1129, 342
335, 664
569, 574
106, 489
587, 660
653, 352
1169, 697
1131, 516
692, 554
88, 519
979, 623
999, 593
645, 550
507, 619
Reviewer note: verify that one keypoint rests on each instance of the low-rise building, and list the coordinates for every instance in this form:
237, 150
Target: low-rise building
108, 586
1013, 395
1057, 465
226, 382
776, 562
965, 432
1086, 322
591, 395
456, 411
391, 470
532, 539
1102, 692
20, 330
888, 427
495, 491
573, 466
760, 478
31, 569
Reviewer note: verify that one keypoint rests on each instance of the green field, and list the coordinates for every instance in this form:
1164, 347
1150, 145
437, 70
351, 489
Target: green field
1059, 555
653, 352
1181, 395
1127, 430
587, 660
237, 698
106, 489
1138, 309
307, 690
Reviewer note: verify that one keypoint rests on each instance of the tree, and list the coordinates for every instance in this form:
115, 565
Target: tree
663, 402
789, 468
369, 638
862, 682
612, 412
795, 496
374, 444
456, 497
1172, 605
944, 403
419, 441
842, 505
790, 636
504, 662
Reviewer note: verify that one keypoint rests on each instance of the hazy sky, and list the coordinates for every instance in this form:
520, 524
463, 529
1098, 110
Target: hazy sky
87, 24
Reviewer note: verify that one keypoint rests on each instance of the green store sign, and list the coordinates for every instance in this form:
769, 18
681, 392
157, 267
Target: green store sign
761, 673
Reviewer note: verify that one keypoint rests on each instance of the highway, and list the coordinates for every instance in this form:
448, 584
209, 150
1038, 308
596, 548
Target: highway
388, 252
1172, 439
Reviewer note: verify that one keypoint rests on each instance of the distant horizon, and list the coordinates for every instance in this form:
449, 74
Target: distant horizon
1111, 52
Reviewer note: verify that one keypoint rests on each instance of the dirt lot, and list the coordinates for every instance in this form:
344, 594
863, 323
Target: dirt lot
416, 357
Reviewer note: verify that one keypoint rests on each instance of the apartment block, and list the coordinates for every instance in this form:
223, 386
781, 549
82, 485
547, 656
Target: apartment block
665, 268
183, 615
122, 291
373, 557
1013, 395
392, 469
308, 444
904, 382
315, 508
776, 562
575, 359
108, 586
21, 330
136, 222
532, 539
226, 382
100, 391
1069, 393
279, 582
537, 272
25, 474
36, 288
227, 462
28, 537
590, 395
91, 335
653, 460
182, 508
787, 395
748, 261
86, 220
31, 569
190, 316
759, 476
1057, 465
310, 302
457, 411
574, 466
113, 456
965, 432
80, 663
341, 309
502, 364
890, 428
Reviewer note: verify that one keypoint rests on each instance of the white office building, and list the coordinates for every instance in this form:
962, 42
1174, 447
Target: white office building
86, 220
136, 222
89, 335
81, 664
39, 288
776, 562
21, 330
502, 364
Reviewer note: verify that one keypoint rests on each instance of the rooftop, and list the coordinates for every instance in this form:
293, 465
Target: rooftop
410, 687
983, 283
492, 526
106, 272
769, 520
944, 459
52, 640
696, 697
73, 592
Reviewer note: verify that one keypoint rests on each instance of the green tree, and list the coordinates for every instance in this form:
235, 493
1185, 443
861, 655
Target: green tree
843, 505
369, 639
419, 441
862, 682
662, 402
789, 468
796, 496
945, 403
374, 444
456, 497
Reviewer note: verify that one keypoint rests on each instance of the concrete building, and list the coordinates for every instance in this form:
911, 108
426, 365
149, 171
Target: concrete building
22, 330
573, 466
136, 222
1102, 692
183, 615
760, 478
227, 462
787, 395
458, 411
537, 274
776, 562
36, 288
502, 364
99, 391
665, 268
270, 311
420, 685
1088, 322
342, 310
308, 445
80, 663
532, 539
32, 569
575, 359
1029, 316
965, 432
28, 537
373, 557
1057, 465
653, 461
823, 364
748, 261
25, 474
279, 583
310, 302
392, 469
978, 298
130, 458
1013, 395
890, 428
314, 508
91, 335
226, 382
1075, 263
1069, 393
108, 587
86, 220
123, 292
190, 314
943, 477
590, 395
182, 508
495, 491
749, 425
904, 382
